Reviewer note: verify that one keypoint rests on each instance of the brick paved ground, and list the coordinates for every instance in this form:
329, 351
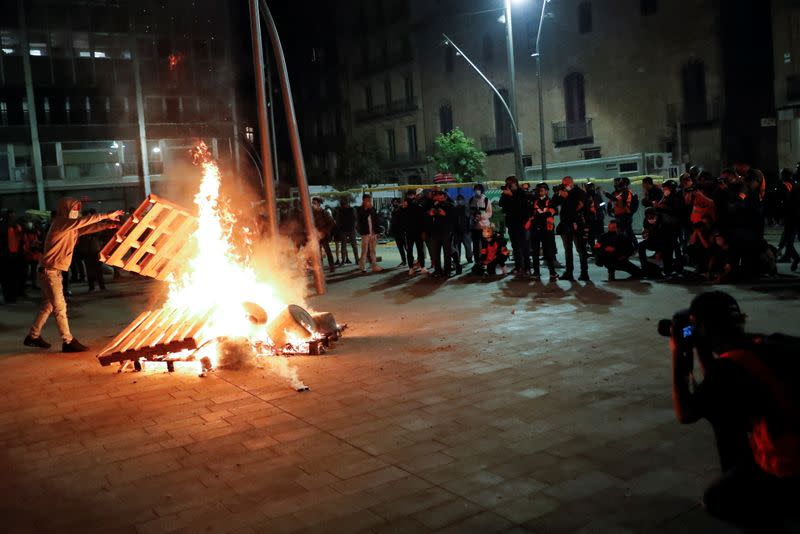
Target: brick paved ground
457, 407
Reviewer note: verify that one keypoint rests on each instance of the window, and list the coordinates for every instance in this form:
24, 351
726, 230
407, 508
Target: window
391, 145
585, 17
368, 97
387, 91
502, 122
408, 86
591, 152
631, 166
411, 138
648, 7
694, 91
449, 58
574, 98
3, 113
445, 118
488, 49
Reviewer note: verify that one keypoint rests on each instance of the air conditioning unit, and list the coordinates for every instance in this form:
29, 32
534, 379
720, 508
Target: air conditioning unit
658, 163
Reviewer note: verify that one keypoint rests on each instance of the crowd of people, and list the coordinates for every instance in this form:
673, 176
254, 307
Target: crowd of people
696, 226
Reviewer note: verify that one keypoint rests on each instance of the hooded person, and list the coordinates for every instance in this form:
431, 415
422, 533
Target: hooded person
67, 226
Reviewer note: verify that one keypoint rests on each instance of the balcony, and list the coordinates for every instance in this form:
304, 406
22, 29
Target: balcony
401, 159
573, 133
497, 145
396, 107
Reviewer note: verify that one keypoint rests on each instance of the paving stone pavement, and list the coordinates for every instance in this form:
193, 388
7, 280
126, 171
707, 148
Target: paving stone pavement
458, 406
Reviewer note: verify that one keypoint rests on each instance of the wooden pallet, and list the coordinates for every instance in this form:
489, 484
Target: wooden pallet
154, 335
154, 241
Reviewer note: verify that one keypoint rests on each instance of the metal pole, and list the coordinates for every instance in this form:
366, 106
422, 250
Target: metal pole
36, 148
538, 54
680, 143
263, 125
271, 106
517, 147
137, 81
513, 86
297, 150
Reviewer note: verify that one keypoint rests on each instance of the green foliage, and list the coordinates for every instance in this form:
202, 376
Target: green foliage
457, 154
361, 163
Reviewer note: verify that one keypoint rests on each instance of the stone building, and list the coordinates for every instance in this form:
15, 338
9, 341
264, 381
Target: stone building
786, 53
629, 86
100, 99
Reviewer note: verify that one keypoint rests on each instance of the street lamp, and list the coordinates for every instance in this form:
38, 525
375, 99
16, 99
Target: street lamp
517, 145
513, 83
537, 55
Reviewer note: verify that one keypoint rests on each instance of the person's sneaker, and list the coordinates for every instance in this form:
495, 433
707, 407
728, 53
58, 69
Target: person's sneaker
332, 269
377, 268
423, 270
553, 277
31, 341
794, 265
504, 270
402, 264
411, 272
536, 276
584, 277
567, 276
74, 346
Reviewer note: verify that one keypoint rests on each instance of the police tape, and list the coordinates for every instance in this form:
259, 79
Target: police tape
490, 184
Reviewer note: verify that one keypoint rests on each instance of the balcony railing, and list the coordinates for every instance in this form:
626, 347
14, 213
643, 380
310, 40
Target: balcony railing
396, 107
568, 133
497, 144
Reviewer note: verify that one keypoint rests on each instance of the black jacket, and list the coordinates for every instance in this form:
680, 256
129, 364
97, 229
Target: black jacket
364, 215
462, 218
516, 207
440, 223
345, 219
572, 208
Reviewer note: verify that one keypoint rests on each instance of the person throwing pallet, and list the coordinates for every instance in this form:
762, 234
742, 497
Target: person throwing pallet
65, 229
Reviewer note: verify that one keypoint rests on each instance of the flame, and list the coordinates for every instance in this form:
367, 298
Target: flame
217, 279
173, 60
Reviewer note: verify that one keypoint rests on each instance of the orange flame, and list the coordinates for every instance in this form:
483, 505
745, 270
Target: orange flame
216, 279
173, 60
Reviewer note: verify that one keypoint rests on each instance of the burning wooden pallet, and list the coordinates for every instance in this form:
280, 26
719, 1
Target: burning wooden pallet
153, 241
155, 335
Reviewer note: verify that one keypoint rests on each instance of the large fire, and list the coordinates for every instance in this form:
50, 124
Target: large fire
219, 279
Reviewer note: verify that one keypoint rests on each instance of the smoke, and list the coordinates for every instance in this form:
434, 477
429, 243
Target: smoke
279, 365
235, 354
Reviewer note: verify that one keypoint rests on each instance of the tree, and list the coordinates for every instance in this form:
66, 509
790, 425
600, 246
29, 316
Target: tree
457, 154
361, 163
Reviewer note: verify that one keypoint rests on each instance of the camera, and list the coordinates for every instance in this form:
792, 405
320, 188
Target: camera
503, 187
680, 327
558, 188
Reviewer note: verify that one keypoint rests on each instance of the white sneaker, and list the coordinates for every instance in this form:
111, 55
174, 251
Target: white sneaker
411, 272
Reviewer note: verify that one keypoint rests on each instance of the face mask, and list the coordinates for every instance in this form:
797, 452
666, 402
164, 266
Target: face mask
74, 214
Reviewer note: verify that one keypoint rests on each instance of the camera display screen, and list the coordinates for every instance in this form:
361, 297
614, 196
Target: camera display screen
688, 331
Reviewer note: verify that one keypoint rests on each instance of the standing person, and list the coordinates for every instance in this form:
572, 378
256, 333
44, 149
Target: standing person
480, 210
59, 244
440, 225
397, 229
13, 259
32, 249
516, 207
346, 228
367, 219
624, 206
595, 214
412, 212
94, 269
323, 223
788, 212
652, 192
542, 231
571, 202
461, 232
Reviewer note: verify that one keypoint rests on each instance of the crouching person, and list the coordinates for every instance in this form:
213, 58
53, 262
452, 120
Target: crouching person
613, 251
493, 253
59, 244
747, 396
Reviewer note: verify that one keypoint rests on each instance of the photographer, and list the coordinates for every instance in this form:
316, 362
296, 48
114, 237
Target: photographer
572, 226
747, 396
516, 205
480, 209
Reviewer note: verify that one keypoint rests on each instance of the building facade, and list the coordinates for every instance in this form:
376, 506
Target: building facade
629, 86
101, 99
786, 63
